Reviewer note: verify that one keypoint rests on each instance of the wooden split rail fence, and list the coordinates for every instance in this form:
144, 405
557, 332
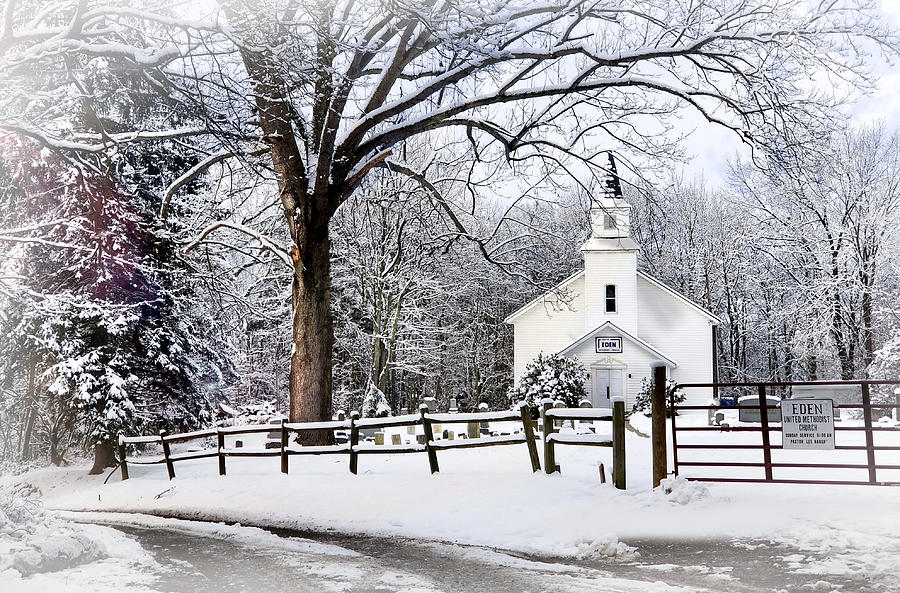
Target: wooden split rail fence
354, 448
616, 440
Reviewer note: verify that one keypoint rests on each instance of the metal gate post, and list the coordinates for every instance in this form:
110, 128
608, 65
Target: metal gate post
766, 442
870, 441
674, 436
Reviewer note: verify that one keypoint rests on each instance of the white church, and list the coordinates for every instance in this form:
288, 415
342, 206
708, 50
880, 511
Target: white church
616, 319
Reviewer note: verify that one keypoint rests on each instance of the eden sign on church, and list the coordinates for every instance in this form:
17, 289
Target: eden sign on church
609, 345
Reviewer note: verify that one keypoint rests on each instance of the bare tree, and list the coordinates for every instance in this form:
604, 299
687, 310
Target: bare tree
329, 90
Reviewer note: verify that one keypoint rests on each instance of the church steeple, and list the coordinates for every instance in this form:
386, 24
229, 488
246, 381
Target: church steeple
610, 216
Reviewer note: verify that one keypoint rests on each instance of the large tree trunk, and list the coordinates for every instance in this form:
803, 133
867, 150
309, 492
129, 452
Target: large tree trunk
313, 336
104, 457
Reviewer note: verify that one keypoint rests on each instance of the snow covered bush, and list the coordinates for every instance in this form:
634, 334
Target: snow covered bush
32, 541
554, 376
642, 400
375, 403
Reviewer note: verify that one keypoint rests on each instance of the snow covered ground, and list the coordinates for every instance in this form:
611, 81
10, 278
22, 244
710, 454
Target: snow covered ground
489, 497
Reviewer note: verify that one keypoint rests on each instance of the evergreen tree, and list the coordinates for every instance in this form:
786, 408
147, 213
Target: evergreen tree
551, 376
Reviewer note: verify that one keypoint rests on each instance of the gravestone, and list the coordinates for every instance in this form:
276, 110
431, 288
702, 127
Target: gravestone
445, 434
379, 438
453, 408
430, 403
420, 438
558, 423
410, 430
395, 439
472, 430
839, 394
484, 427
341, 415
404, 411
774, 414
451, 435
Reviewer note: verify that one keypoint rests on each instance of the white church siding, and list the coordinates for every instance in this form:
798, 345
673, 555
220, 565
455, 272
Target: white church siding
611, 268
681, 331
548, 326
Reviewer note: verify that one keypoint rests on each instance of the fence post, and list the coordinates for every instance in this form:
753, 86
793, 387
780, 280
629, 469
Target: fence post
766, 439
549, 455
220, 439
619, 443
429, 437
167, 455
658, 423
284, 449
122, 462
870, 441
354, 441
672, 406
529, 437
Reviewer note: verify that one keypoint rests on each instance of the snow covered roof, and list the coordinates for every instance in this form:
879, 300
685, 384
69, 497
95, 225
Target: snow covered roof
633, 339
512, 317
702, 310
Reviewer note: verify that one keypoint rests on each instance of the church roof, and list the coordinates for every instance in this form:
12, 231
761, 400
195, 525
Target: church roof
511, 318
518, 312
633, 339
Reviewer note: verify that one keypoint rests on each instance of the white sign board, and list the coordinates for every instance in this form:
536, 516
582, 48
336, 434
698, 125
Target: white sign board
807, 424
608, 344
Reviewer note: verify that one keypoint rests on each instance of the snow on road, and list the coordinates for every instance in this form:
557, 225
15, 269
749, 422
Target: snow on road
489, 497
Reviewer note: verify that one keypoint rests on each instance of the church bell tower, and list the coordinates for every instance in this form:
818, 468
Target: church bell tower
610, 259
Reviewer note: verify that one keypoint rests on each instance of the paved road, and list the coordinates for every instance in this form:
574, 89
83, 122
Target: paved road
190, 563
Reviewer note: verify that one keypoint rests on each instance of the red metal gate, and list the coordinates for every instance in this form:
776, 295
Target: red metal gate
784, 469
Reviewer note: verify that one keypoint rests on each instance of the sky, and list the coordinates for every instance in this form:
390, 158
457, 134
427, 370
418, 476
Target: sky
712, 146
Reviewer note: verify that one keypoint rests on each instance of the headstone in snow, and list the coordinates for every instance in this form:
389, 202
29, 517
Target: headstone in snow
453, 408
410, 430
395, 439
341, 415
558, 404
450, 436
404, 411
431, 403
472, 430
751, 415
839, 394
379, 438
484, 427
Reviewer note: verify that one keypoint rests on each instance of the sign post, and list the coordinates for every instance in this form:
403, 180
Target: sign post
807, 424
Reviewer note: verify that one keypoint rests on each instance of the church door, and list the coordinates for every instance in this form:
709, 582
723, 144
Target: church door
607, 384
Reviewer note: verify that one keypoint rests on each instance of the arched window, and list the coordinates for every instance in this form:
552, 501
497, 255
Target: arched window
610, 298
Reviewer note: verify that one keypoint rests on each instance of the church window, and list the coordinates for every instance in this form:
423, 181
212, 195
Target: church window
610, 298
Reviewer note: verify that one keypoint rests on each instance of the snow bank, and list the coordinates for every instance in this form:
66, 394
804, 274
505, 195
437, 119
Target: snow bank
32, 541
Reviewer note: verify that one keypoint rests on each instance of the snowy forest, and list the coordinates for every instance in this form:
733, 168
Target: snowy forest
300, 207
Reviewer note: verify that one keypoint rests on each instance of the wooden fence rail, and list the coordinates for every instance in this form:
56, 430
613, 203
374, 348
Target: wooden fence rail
616, 440
353, 448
